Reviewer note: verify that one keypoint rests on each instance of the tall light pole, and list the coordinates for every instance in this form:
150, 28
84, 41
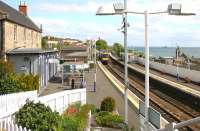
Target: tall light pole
173, 9
125, 65
95, 63
146, 72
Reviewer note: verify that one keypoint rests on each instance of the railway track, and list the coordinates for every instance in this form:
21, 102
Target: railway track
170, 108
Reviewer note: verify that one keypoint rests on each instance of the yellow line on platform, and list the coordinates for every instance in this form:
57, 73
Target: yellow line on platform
131, 96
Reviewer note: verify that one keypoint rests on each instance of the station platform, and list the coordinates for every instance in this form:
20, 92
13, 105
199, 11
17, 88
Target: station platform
189, 88
170, 80
104, 88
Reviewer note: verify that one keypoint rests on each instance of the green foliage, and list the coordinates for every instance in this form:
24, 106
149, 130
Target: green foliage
9, 84
5, 68
108, 104
13, 83
92, 65
117, 48
68, 124
29, 82
78, 121
44, 43
107, 119
37, 117
101, 44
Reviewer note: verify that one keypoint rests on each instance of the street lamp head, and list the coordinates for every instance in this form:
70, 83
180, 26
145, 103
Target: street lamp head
119, 8
175, 9
105, 11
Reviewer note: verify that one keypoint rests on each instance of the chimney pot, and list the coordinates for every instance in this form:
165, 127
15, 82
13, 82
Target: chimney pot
23, 8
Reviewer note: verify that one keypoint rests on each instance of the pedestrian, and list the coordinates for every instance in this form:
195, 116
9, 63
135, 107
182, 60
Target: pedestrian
72, 84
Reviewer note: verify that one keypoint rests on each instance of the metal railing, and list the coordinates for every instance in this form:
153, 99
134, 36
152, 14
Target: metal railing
174, 126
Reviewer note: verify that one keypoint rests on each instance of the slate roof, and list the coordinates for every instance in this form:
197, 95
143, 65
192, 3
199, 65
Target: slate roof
30, 51
15, 16
75, 48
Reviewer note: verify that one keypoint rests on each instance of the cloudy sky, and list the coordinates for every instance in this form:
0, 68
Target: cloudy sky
76, 19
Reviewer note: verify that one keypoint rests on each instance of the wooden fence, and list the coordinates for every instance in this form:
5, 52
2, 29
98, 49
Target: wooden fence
10, 126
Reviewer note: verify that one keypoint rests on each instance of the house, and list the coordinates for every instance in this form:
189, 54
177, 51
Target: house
21, 44
17, 30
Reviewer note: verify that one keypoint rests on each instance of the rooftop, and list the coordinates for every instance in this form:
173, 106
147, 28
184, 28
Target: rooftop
30, 51
15, 16
75, 48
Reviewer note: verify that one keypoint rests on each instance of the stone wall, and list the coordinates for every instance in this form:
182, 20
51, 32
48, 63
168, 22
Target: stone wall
25, 37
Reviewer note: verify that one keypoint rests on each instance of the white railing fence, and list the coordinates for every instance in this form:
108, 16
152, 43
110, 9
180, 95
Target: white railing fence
11, 103
61, 100
10, 126
174, 126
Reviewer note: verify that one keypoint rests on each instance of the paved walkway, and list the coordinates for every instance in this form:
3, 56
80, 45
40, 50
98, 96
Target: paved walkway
105, 88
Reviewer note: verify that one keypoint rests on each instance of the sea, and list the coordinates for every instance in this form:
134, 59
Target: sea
170, 51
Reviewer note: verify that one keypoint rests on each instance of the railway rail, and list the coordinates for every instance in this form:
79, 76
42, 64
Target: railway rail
169, 107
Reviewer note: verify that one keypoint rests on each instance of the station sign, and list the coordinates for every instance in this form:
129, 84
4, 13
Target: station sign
154, 116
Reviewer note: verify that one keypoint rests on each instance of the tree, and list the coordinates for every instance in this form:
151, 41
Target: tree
101, 44
44, 43
117, 48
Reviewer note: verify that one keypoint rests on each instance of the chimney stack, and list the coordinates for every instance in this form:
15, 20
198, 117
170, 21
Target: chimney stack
23, 8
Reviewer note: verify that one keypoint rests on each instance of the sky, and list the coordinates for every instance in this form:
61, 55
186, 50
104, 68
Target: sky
77, 19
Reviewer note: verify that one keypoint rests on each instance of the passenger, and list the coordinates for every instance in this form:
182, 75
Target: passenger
73, 84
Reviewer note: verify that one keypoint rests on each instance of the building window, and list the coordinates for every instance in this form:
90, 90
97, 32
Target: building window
24, 33
32, 38
15, 32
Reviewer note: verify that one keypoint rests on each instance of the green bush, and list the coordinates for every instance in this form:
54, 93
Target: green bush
37, 117
13, 83
108, 104
107, 119
92, 65
5, 68
9, 84
78, 121
68, 124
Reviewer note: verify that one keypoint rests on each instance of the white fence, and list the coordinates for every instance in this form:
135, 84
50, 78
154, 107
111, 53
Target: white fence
10, 126
11, 103
183, 72
60, 101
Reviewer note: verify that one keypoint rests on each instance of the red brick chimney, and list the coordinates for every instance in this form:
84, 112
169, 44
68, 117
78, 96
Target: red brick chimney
23, 8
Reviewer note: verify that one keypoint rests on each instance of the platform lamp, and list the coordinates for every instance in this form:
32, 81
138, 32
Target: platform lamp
173, 9
118, 9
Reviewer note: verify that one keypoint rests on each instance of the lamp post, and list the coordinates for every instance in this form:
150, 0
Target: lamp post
173, 9
95, 63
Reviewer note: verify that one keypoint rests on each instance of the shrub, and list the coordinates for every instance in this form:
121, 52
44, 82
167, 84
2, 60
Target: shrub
9, 84
12, 83
107, 119
92, 65
69, 124
108, 104
76, 121
5, 68
37, 117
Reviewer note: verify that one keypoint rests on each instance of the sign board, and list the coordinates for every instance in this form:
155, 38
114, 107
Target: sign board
142, 108
154, 117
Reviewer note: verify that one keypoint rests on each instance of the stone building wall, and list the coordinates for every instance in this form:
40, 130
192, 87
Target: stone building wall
25, 37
